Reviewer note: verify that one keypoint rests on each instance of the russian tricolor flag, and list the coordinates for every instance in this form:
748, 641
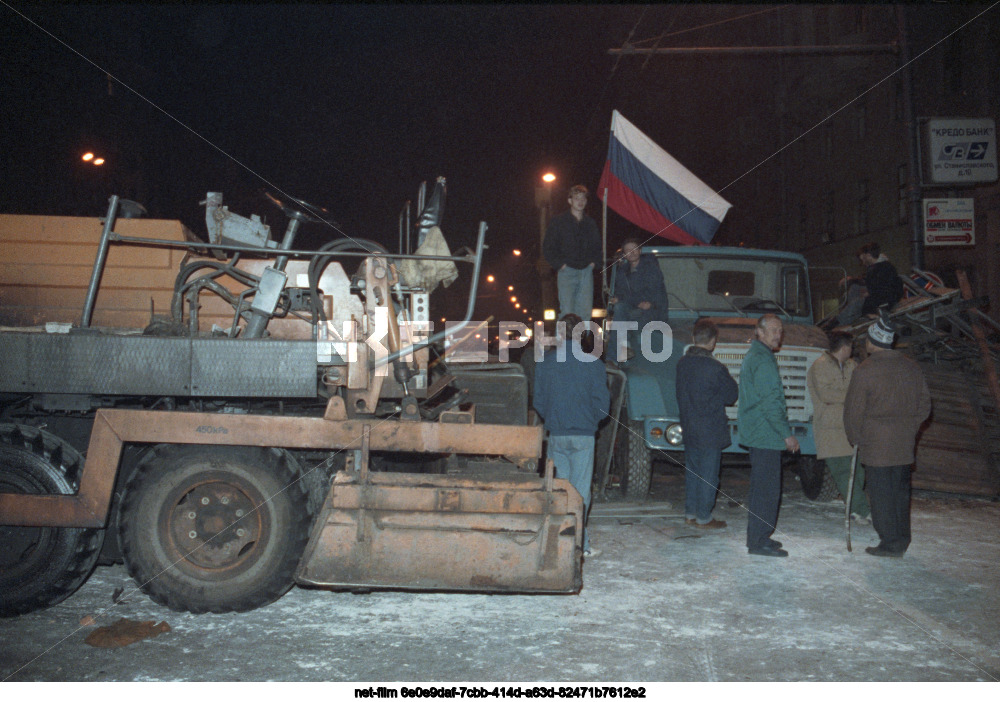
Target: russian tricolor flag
650, 188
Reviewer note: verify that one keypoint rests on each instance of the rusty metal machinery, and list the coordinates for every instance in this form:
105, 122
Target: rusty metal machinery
224, 467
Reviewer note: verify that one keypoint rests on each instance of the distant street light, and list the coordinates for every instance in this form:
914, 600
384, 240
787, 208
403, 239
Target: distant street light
517, 252
88, 156
513, 298
549, 177
93, 160
98, 161
490, 279
510, 288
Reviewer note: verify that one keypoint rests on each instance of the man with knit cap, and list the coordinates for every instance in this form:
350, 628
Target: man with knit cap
887, 401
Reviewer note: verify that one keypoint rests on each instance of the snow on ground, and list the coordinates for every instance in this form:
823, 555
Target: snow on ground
665, 602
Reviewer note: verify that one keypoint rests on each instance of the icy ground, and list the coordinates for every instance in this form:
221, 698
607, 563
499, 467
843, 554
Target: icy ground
665, 602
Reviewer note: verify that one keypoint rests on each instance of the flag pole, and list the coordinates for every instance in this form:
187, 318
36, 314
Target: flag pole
604, 249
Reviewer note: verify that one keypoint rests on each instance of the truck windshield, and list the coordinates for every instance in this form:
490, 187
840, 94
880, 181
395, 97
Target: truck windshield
754, 285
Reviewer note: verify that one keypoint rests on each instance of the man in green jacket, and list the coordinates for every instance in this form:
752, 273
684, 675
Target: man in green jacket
763, 425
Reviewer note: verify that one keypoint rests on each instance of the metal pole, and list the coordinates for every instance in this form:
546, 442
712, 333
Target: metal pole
102, 254
913, 155
850, 497
604, 249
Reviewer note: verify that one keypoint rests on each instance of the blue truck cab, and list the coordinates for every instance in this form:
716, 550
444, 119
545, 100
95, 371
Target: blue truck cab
734, 287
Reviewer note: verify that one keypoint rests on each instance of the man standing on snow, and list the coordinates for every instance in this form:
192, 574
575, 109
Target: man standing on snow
886, 403
571, 395
763, 424
704, 388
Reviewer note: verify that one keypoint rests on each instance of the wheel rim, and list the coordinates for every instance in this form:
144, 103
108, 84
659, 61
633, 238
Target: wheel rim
215, 525
23, 548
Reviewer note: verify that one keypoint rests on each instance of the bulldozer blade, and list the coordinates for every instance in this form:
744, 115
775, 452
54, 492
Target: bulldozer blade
446, 532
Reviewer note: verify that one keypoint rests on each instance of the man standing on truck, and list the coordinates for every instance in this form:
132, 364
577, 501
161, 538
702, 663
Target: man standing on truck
704, 388
571, 395
639, 294
886, 403
572, 246
765, 431
828, 379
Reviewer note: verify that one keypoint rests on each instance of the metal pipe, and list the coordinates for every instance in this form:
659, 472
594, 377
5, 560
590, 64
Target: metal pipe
293, 226
102, 254
118, 238
759, 50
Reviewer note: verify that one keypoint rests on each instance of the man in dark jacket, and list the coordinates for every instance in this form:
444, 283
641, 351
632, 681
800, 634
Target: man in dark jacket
886, 403
704, 388
882, 286
639, 294
571, 395
764, 429
572, 246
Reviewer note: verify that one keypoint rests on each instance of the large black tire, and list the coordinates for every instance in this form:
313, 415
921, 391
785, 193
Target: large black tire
817, 483
41, 566
633, 459
214, 528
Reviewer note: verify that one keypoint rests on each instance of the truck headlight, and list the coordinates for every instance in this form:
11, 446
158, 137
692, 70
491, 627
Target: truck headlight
674, 435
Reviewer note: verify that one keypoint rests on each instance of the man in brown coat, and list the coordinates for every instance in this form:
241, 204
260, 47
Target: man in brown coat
886, 403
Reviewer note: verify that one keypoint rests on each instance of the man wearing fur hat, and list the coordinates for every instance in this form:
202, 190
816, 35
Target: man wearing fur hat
886, 403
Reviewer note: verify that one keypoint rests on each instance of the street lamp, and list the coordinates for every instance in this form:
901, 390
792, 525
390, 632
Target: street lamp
490, 278
517, 252
543, 201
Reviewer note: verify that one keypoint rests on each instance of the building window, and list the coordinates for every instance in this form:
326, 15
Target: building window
861, 217
904, 209
829, 233
953, 65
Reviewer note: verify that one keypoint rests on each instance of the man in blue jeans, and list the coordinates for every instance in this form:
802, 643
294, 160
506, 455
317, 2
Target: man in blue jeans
571, 395
704, 388
572, 246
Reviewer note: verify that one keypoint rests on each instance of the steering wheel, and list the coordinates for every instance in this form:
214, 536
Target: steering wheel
299, 209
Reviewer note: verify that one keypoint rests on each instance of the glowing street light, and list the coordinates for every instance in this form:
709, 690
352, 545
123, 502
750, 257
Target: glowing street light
510, 288
513, 298
517, 305
549, 177
98, 161
490, 279
517, 252
88, 156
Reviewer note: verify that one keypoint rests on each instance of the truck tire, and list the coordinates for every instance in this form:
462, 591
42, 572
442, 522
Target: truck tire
214, 528
41, 566
634, 460
817, 483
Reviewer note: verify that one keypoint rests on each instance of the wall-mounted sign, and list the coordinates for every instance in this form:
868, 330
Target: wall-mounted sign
949, 222
962, 150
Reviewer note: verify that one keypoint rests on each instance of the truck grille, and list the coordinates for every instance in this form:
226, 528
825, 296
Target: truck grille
793, 364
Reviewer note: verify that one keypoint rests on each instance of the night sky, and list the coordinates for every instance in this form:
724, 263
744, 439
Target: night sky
350, 108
